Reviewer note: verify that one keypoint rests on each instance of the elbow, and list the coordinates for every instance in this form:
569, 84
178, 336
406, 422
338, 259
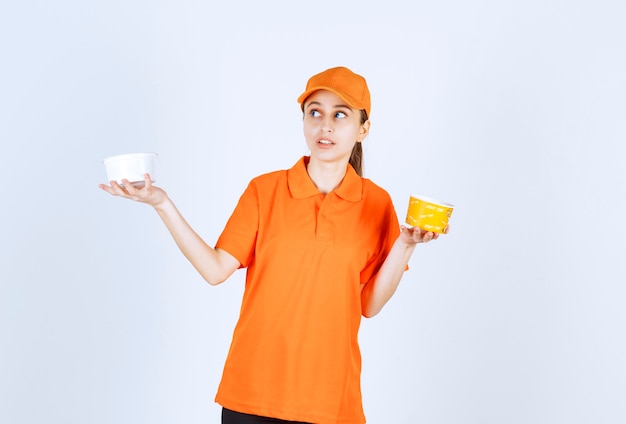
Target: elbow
367, 309
213, 282
218, 272
214, 278
370, 305
222, 268
369, 312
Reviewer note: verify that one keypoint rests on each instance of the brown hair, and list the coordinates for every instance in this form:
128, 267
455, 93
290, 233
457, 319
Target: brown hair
356, 157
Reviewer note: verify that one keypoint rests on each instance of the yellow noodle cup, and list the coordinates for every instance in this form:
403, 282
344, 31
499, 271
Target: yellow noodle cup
428, 214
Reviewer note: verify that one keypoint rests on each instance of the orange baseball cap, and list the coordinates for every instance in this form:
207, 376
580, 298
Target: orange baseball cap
343, 82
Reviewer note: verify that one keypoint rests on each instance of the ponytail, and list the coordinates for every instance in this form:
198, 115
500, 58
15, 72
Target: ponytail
356, 157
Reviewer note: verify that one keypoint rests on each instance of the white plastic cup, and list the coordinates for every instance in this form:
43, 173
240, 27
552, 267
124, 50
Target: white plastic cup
132, 167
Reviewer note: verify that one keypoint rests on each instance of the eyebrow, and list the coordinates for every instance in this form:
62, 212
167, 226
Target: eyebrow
336, 106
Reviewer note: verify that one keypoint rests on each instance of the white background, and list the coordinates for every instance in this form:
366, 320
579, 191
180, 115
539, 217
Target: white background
513, 110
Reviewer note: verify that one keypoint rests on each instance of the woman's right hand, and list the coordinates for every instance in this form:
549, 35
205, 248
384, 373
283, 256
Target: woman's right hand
148, 194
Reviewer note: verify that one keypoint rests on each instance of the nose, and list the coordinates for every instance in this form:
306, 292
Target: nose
327, 125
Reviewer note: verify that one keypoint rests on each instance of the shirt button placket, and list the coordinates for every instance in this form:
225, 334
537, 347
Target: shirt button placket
324, 225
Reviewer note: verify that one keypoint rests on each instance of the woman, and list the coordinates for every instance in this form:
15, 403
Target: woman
322, 247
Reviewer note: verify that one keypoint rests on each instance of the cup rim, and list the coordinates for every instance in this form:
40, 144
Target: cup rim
130, 155
432, 200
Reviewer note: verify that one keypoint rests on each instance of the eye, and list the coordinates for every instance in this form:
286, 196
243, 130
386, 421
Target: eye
314, 113
340, 115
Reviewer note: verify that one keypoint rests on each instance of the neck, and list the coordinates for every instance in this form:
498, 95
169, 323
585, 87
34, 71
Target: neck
326, 176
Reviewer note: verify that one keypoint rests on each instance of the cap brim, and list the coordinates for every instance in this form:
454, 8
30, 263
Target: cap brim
352, 102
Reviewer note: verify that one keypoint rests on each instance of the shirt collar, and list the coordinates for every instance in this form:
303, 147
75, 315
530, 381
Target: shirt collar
301, 185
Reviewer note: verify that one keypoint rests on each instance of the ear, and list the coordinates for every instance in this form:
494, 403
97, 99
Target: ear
363, 131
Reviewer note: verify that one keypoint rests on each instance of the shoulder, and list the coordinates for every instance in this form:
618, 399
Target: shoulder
377, 200
373, 191
268, 182
269, 177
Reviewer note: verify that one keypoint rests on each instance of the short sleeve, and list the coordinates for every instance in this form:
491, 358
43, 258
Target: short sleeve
388, 231
240, 233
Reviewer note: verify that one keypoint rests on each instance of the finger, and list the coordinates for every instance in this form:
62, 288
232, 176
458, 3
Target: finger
148, 181
129, 188
416, 235
106, 188
116, 189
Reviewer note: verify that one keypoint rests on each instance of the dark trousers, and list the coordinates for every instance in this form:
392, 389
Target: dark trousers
232, 417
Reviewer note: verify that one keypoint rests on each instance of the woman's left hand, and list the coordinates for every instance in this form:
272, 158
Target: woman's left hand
414, 235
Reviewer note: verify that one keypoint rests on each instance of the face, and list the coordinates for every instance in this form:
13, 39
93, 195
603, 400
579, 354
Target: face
331, 127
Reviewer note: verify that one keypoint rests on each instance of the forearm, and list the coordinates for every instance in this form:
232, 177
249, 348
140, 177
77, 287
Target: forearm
214, 265
379, 290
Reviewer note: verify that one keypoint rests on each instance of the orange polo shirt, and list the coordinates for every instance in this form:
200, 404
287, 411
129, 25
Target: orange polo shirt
294, 353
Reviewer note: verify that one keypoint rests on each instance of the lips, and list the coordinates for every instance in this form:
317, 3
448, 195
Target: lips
325, 142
